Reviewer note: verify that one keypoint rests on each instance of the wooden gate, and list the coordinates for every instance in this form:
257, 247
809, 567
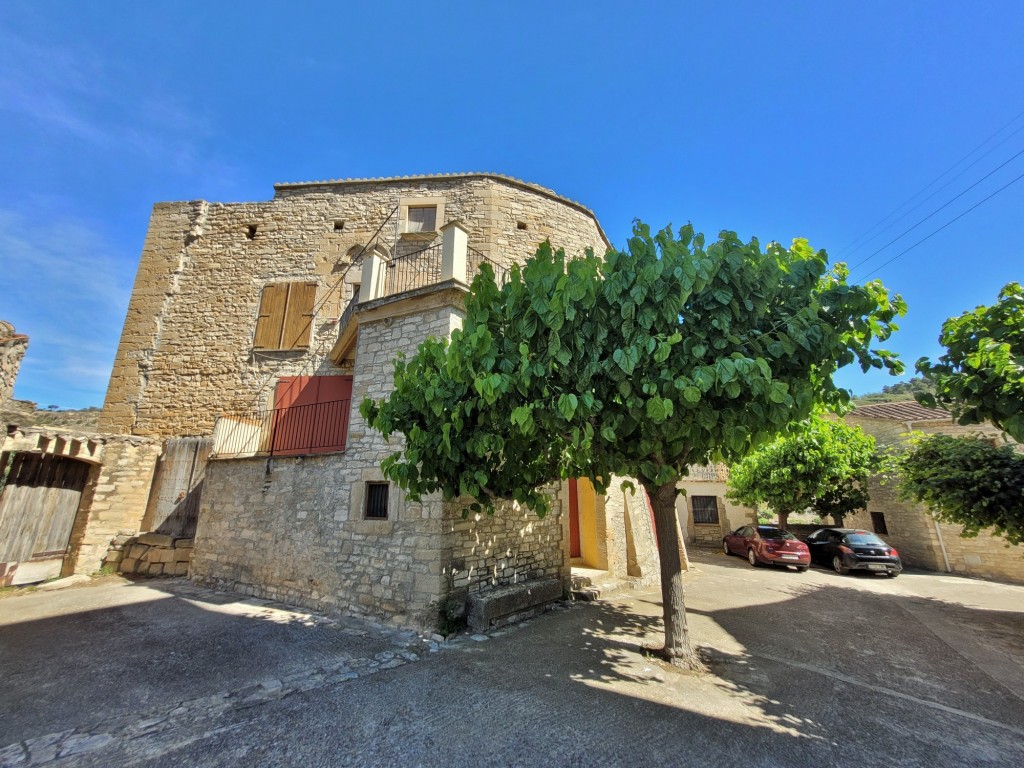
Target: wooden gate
37, 511
177, 487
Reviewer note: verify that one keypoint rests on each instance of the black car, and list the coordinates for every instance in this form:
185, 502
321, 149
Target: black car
851, 549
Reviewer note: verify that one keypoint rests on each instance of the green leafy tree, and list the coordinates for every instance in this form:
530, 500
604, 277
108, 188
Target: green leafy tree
822, 465
981, 376
635, 364
966, 481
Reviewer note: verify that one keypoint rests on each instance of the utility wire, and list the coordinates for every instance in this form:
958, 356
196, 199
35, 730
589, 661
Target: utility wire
948, 202
957, 218
886, 218
944, 186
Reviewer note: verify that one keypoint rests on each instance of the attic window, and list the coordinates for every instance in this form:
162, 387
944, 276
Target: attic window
521, 225
422, 218
339, 226
250, 231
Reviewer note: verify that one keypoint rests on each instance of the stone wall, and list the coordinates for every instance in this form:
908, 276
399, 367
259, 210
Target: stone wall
113, 502
292, 529
920, 540
12, 351
186, 350
512, 546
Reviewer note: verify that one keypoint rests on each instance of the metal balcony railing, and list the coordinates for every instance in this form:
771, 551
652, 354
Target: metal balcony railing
297, 430
410, 271
475, 258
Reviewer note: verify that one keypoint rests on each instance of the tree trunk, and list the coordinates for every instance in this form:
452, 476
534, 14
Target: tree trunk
838, 520
677, 640
783, 520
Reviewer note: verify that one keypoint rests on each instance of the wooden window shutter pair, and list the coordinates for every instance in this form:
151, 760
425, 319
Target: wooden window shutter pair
285, 318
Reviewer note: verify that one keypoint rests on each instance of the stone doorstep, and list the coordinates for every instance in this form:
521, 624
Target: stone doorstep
485, 608
156, 540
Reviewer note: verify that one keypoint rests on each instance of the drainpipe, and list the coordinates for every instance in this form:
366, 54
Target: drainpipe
938, 530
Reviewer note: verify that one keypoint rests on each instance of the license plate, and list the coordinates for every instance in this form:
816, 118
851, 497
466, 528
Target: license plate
791, 557
876, 567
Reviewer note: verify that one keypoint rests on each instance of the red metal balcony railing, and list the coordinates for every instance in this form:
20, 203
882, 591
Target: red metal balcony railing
297, 430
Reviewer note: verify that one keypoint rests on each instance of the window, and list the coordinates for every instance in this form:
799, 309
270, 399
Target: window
878, 522
285, 317
420, 217
705, 510
376, 501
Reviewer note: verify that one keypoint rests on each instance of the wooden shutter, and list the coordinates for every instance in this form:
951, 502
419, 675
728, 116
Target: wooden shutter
271, 316
298, 320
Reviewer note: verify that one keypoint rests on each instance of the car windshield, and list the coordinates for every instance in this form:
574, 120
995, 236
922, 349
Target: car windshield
775, 533
865, 540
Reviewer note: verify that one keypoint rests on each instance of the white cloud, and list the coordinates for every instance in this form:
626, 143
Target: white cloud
78, 97
63, 285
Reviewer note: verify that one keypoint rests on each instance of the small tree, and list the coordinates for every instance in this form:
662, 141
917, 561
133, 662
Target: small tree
968, 482
981, 376
823, 465
636, 364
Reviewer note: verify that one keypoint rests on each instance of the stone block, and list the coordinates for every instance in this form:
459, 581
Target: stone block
181, 555
156, 540
181, 569
184, 543
137, 551
156, 569
484, 608
127, 565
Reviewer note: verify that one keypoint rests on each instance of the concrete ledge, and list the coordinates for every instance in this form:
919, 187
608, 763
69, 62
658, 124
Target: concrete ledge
484, 609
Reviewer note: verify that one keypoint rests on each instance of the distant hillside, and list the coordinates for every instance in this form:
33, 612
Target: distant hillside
25, 414
895, 393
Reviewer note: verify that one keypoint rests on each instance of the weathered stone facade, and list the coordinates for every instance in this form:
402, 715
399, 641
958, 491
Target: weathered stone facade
921, 540
186, 351
12, 351
293, 528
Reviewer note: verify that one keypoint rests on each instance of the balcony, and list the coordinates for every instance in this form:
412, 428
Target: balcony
298, 430
435, 264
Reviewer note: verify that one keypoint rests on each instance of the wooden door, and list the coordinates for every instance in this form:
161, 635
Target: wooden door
574, 519
173, 506
37, 511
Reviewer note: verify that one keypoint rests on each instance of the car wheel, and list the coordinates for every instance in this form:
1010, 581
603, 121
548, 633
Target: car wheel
725, 548
752, 558
838, 567
801, 569
892, 574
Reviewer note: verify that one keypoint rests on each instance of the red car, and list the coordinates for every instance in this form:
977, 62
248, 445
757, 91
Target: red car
767, 545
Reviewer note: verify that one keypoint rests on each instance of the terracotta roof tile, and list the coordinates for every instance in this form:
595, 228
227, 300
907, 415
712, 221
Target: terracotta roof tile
908, 410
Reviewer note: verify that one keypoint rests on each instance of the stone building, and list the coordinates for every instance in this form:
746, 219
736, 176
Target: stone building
921, 540
705, 514
253, 333
12, 351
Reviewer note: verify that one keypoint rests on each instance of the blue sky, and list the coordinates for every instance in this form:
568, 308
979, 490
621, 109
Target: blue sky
775, 119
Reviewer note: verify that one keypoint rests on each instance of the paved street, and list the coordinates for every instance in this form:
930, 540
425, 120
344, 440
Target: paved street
808, 669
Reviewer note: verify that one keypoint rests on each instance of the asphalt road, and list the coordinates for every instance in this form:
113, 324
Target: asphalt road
808, 669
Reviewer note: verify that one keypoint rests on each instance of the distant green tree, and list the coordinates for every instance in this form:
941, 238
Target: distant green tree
981, 376
822, 465
899, 392
966, 481
636, 364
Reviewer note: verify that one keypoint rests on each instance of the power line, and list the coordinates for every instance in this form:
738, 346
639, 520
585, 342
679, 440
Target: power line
957, 218
886, 218
948, 202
